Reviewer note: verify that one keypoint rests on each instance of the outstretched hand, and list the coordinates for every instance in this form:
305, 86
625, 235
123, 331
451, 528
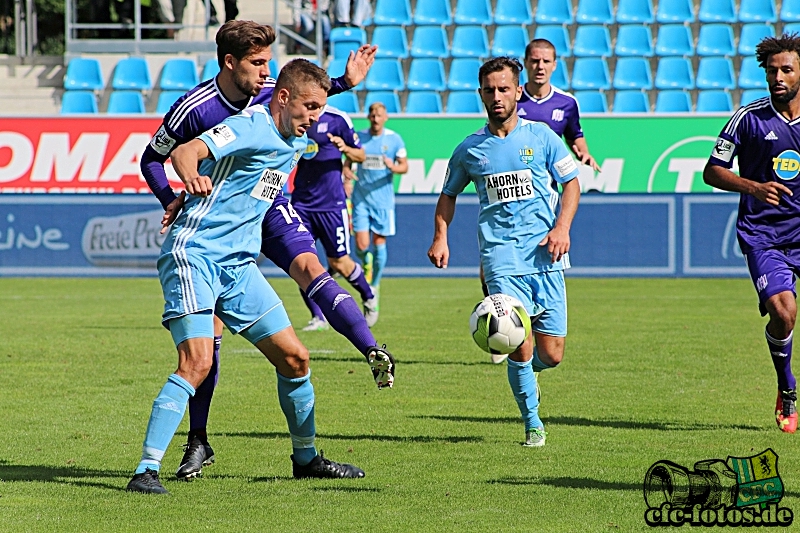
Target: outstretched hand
359, 63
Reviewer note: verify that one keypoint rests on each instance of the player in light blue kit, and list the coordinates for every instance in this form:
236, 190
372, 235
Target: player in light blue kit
373, 192
208, 266
523, 237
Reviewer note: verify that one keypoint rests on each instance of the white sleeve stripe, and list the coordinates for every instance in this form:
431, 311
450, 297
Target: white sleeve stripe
179, 120
187, 105
730, 129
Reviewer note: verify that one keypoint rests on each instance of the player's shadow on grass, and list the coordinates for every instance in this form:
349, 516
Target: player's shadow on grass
401, 362
380, 438
589, 422
568, 483
76, 476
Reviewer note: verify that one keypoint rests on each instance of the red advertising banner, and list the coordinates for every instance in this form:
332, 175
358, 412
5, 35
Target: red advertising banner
75, 155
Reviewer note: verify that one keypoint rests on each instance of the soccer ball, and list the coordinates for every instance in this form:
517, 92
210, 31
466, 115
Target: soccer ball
499, 324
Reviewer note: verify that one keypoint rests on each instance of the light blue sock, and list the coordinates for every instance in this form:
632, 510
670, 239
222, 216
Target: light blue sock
538, 364
381, 255
523, 385
296, 397
167, 413
362, 254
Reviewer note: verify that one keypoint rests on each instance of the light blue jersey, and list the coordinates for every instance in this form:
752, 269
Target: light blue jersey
513, 177
252, 161
375, 185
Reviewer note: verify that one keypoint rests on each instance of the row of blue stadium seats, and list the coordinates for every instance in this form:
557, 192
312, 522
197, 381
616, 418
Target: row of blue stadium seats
133, 73
588, 73
119, 102
438, 12
589, 41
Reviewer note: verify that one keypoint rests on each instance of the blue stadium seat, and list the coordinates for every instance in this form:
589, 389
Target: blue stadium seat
715, 73
273, 68
391, 42
464, 102
674, 73
750, 95
346, 101
426, 75
674, 40
73, 102
590, 73
634, 40
757, 11
673, 102
751, 76
166, 99
473, 12
592, 41
560, 77
751, 35
631, 102
424, 102
591, 101
792, 27
470, 41
343, 40
464, 74
717, 11
83, 73
675, 11
388, 98
790, 11
125, 102
211, 69
595, 12
336, 68
385, 75
510, 41
430, 41
392, 13
132, 73
633, 73
714, 102
558, 36
433, 12
715, 40
549, 12
178, 75
635, 12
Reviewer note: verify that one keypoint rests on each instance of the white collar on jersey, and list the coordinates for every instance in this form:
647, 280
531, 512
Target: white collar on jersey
779, 115
539, 100
226, 101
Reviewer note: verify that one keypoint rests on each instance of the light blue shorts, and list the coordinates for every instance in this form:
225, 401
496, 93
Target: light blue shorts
239, 295
546, 289
368, 218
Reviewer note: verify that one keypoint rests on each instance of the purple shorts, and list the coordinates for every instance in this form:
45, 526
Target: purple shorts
773, 271
332, 228
283, 234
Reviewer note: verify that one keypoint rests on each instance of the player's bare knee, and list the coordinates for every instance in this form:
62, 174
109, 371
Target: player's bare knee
296, 359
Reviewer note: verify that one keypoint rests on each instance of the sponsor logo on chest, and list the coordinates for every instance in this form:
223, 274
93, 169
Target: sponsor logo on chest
558, 115
509, 186
374, 162
269, 185
787, 165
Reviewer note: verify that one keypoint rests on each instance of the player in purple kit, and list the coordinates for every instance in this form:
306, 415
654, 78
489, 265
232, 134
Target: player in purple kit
243, 53
320, 199
765, 136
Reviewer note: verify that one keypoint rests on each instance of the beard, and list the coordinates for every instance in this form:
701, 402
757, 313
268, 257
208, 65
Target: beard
499, 116
786, 97
250, 89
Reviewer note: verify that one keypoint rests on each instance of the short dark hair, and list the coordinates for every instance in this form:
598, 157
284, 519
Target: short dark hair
540, 43
298, 72
496, 64
239, 38
775, 45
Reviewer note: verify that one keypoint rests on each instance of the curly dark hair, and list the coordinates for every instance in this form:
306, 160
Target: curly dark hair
497, 64
775, 45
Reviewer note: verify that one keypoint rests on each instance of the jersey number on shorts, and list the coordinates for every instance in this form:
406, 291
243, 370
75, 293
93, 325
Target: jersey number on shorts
289, 213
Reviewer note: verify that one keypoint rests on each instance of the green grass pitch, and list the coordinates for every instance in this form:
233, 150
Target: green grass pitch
655, 369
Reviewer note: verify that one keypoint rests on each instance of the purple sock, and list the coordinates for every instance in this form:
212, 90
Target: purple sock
316, 312
357, 280
342, 312
200, 403
781, 352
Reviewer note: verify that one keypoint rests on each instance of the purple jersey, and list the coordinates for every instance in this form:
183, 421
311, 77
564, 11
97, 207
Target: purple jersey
193, 113
766, 144
558, 109
318, 182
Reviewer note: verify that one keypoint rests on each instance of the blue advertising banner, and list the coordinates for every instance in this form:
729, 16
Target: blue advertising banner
612, 235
